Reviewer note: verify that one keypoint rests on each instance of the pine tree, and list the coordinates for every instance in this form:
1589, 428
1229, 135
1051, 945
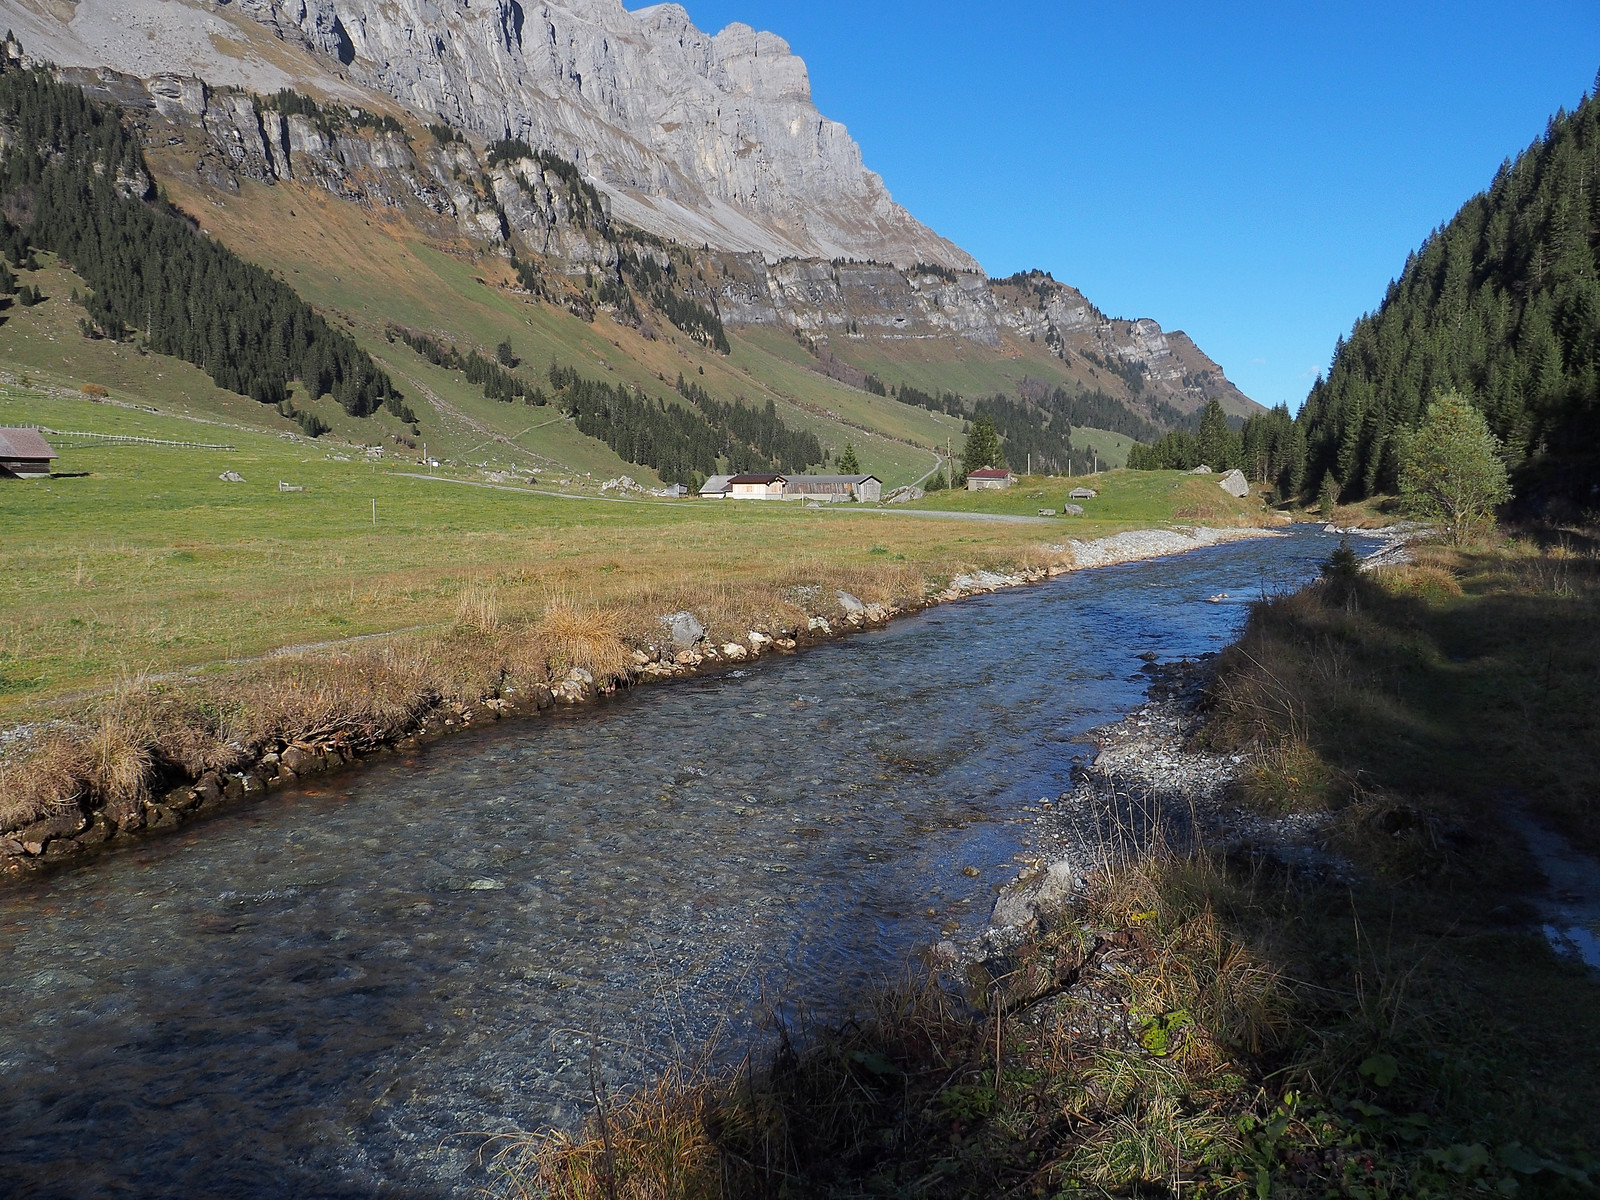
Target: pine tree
1212, 442
848, 463
1328, 494
983, 447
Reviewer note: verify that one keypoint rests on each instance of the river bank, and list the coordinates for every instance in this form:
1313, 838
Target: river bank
160, 759
1283, 937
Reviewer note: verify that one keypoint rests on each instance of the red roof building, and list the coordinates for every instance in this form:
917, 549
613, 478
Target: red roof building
988, 477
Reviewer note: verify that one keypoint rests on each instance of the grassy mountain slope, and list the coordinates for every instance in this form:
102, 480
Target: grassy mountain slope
376, 272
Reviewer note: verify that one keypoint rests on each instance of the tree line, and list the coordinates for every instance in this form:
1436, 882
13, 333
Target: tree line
71, 165
1500, 305
683, 443
490, 374
1498, 310
1268, 447
781, 448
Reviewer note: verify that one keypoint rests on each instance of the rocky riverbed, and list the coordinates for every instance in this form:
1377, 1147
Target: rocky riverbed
1147, 788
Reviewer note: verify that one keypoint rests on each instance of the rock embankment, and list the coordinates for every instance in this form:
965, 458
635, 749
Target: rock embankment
1148, 789
79, 823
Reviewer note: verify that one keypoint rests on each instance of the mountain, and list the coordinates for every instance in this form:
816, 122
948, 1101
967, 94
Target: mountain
1503, 304
703, 140
756, 258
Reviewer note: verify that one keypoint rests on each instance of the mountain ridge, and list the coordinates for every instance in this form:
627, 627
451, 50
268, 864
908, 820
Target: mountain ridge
703, 139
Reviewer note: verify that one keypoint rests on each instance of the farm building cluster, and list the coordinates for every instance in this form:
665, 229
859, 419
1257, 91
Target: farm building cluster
868, 489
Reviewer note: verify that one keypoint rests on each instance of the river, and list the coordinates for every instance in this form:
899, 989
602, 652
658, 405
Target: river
334, 992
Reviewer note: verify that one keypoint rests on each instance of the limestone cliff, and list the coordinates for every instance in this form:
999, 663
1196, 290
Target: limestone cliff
701, 139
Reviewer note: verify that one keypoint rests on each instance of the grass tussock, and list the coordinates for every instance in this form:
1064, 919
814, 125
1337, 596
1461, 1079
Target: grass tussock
586, 637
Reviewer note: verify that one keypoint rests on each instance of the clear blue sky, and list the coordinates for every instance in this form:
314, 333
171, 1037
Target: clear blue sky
1251, 173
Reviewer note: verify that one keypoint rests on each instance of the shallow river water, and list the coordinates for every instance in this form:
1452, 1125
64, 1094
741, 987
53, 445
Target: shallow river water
337, 991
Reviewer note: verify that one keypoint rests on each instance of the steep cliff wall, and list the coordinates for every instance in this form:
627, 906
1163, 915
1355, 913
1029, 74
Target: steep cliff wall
702, 139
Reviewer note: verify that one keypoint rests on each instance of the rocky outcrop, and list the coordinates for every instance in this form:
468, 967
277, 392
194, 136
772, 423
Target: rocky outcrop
706, 140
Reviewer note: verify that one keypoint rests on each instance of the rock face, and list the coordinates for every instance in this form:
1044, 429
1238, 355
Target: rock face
702, 139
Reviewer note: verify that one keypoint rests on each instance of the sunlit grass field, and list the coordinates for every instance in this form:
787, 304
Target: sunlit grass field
139, 560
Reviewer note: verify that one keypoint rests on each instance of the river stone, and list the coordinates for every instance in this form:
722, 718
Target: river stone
686, 631
60, 825
10, 847
1021, 906
299, 760
1235, 484
850, 604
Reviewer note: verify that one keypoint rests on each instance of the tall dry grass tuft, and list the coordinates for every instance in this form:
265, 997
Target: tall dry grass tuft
52, 770
587, 637
478, 608
120, 744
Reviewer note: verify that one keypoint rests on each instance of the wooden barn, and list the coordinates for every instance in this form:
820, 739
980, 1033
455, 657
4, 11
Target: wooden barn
866, 488
24, 454
988, 477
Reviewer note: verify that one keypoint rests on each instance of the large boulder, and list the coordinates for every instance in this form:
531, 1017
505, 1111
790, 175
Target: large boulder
1235, 484
1020, 906
686, 631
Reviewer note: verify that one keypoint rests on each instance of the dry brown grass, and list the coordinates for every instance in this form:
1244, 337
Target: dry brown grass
582, 636
50, 771
478, 609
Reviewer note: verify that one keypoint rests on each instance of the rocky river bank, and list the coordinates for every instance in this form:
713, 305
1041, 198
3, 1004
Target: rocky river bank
78, 825
1147, 788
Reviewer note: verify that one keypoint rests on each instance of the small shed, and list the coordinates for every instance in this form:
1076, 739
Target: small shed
756, 487
988, 477
24, 454
715, 488
866, 488
1082, 494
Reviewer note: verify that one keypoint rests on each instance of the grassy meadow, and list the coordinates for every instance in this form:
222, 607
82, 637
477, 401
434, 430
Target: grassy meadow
139, 561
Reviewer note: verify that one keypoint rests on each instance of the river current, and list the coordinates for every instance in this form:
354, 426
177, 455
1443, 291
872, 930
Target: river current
337, 991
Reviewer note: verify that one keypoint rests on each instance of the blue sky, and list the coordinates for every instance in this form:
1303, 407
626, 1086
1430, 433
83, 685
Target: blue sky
1251, 173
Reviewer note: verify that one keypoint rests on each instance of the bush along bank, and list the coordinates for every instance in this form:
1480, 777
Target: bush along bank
1299, 960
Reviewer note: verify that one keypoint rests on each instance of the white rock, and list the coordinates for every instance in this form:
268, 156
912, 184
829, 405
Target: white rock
1235, 484
685, 628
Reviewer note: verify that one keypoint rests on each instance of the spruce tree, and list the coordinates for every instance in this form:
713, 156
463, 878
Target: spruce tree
983, 447
849, 464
